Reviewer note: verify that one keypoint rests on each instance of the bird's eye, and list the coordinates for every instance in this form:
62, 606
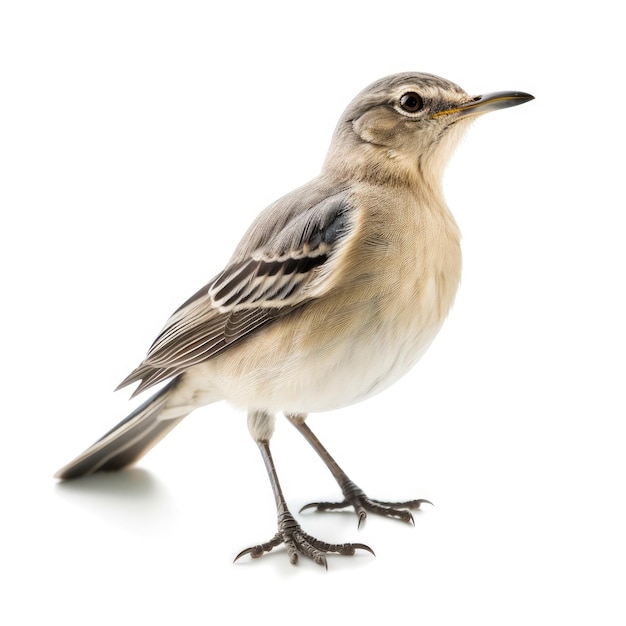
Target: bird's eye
411, 102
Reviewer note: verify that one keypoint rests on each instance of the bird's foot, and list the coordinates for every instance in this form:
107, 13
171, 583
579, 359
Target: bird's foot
298, 542
363, 505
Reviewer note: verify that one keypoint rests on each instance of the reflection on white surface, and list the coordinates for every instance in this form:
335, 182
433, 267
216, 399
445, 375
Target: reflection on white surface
133, 499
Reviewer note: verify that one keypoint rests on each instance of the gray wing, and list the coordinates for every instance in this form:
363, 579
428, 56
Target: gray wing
284, 261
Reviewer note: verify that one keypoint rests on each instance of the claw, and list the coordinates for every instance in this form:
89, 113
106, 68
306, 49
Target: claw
250, 551
362, 518
310, 505
259, 550
325, 506
359, 546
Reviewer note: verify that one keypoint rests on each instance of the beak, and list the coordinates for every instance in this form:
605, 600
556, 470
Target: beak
488, 102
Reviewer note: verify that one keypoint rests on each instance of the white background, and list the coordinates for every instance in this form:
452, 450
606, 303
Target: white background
137, 141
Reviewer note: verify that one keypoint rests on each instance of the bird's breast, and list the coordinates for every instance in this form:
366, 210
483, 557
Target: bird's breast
418, 274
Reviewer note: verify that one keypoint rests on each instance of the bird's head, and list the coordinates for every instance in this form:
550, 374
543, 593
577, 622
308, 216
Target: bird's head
407, 125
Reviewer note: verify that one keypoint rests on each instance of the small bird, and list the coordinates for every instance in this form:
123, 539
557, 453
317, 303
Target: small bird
334, 293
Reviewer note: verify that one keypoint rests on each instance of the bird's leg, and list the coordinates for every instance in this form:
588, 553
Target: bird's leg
353, 495
289, 531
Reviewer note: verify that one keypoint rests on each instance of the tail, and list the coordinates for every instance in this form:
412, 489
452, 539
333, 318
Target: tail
128, 441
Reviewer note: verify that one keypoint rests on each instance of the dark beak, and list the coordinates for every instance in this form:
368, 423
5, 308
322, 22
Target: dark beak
488, 102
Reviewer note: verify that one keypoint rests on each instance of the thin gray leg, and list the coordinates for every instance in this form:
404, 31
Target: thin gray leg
353, 495
289, 531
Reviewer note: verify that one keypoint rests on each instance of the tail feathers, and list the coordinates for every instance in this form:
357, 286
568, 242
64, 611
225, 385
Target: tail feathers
128, 441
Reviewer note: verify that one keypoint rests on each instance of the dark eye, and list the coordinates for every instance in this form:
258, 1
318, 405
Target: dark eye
411, 102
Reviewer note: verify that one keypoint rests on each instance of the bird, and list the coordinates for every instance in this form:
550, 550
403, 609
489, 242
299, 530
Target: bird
334, 292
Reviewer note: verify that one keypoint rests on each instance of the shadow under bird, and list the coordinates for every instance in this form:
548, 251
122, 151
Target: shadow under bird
333, 294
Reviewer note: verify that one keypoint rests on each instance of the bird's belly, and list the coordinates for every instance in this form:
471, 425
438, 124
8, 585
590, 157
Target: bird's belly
360, 372
320, 363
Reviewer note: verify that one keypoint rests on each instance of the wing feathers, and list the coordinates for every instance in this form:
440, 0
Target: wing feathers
283, 272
